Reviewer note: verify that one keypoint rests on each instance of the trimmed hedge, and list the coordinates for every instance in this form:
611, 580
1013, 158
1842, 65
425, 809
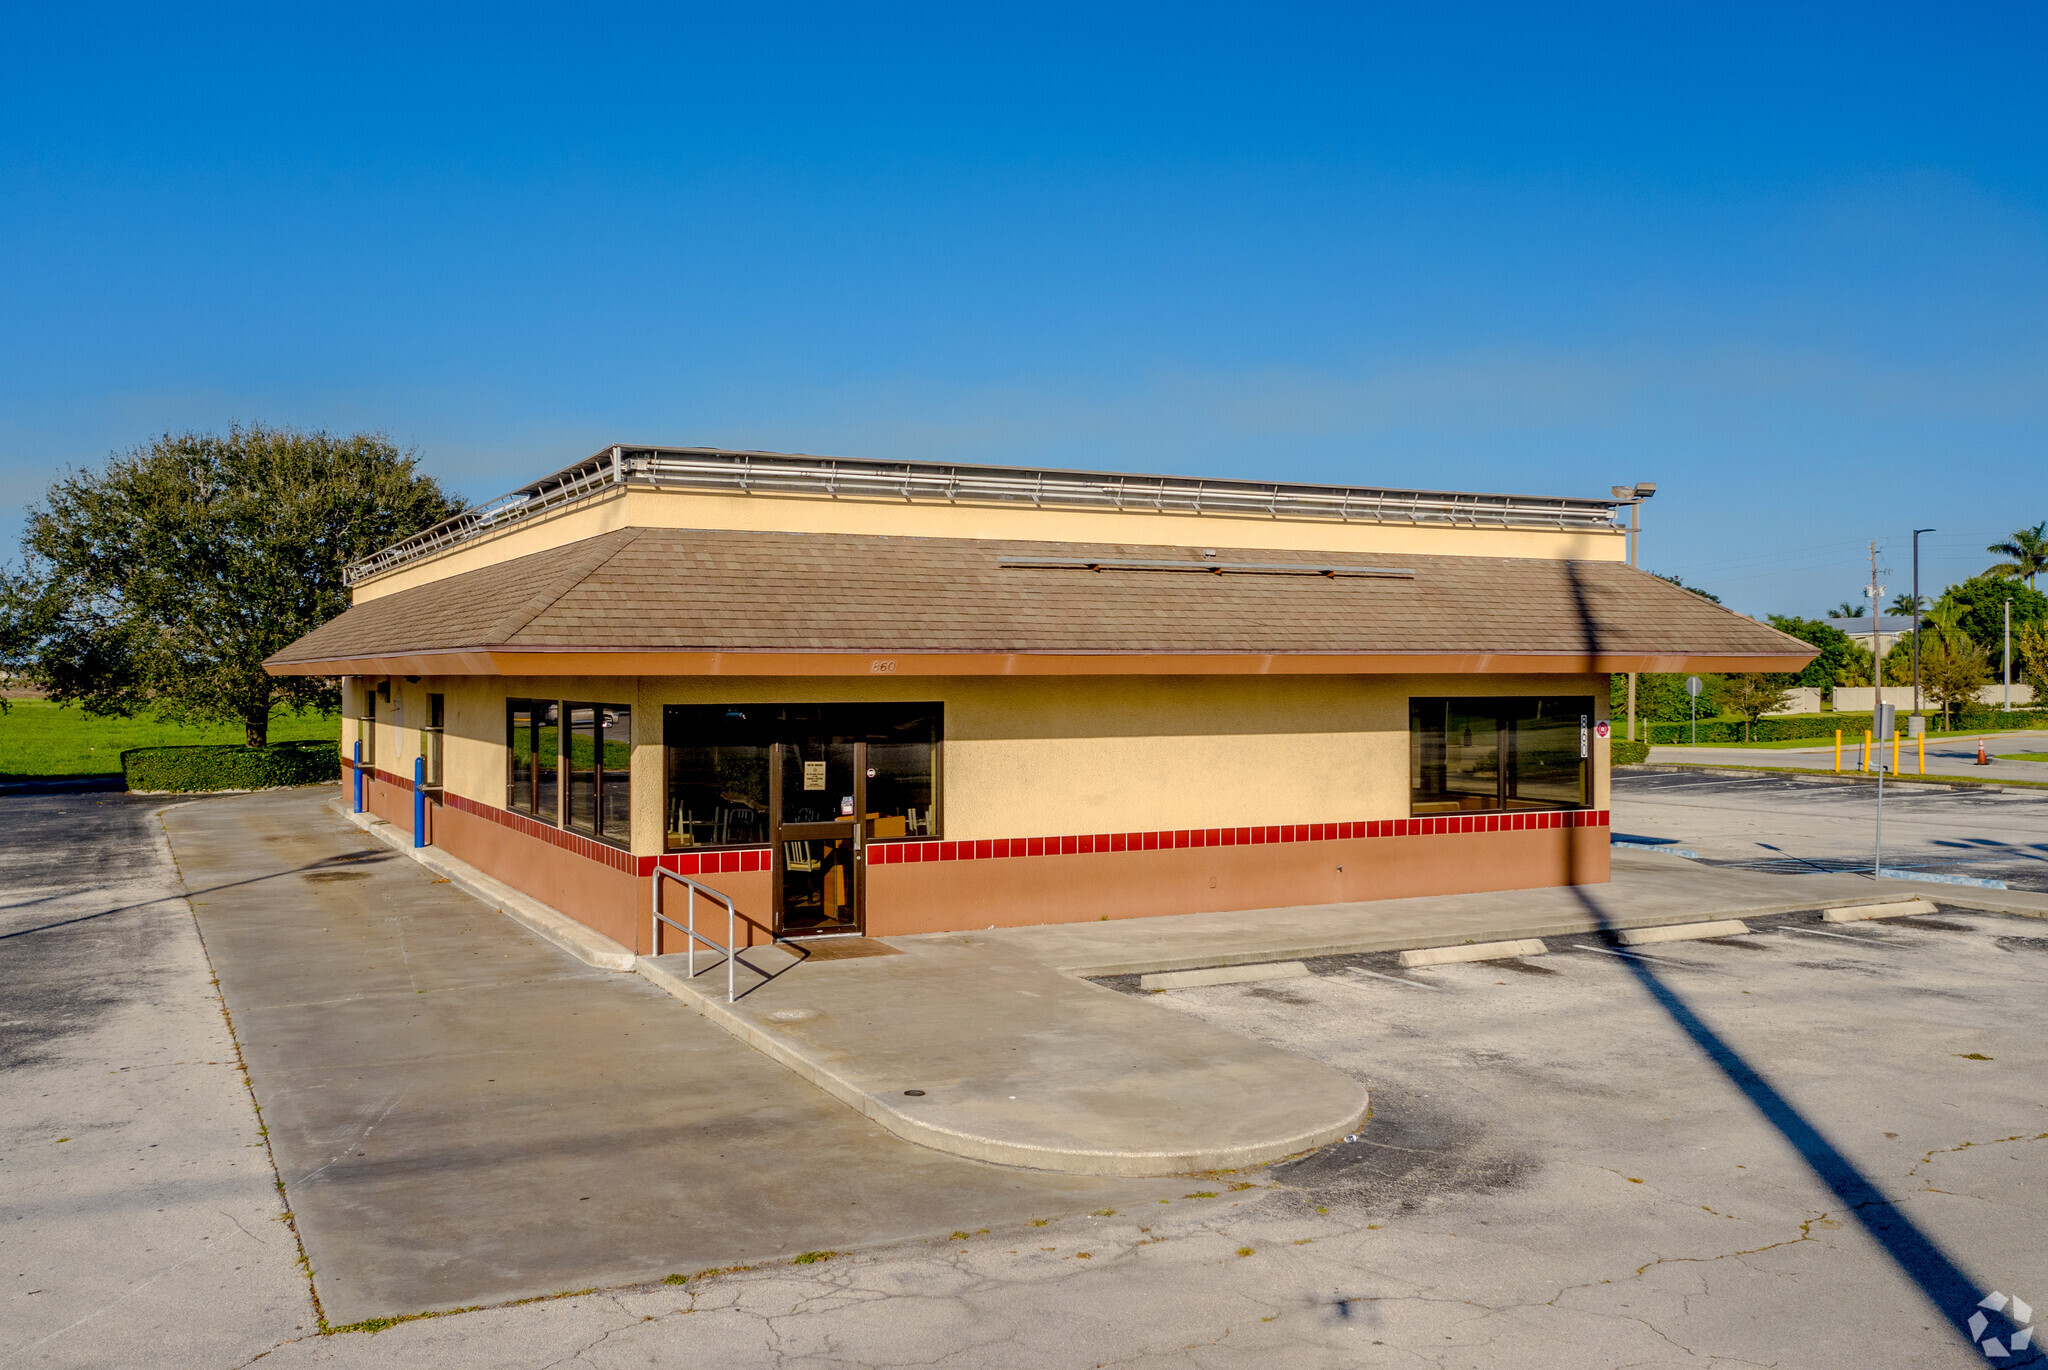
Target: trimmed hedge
183, 770
1820, 726
1622, 752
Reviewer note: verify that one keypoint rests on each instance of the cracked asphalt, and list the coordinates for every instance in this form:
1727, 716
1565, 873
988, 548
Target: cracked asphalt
1554, 1173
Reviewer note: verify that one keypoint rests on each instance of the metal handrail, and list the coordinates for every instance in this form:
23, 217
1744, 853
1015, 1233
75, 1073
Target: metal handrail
733, 917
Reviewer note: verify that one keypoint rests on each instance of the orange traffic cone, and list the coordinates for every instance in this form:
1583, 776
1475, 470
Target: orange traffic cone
1982, 759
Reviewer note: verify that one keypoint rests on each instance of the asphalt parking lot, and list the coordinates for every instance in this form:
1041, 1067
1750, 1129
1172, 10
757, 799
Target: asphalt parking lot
1790, 825
1803, 1147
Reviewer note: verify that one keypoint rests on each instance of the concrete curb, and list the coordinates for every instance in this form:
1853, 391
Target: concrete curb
587, 945
1897, 908
1224, 975
1681, 932
1302, 951
2000, 902
1472, 951
1132, 1163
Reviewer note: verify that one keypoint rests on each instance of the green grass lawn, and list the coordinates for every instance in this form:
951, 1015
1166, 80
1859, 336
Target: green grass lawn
40, 738
2023, 756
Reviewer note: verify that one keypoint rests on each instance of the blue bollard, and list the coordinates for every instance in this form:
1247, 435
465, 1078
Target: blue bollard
419, 801
359, 775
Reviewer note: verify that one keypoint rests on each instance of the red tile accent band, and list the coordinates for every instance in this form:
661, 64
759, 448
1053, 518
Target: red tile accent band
604, 853
718, 861
728, 860
900, 852
403, 782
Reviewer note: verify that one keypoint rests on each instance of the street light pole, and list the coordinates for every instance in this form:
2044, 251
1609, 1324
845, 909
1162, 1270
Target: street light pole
1916, 622
1633, 496
1876, 593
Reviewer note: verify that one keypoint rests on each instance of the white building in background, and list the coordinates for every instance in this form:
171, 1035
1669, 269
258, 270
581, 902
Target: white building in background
1888, 627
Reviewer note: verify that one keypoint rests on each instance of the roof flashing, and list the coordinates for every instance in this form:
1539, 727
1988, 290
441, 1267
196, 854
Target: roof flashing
790, 475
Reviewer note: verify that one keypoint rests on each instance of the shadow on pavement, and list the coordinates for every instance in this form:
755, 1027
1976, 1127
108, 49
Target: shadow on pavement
1956, 1297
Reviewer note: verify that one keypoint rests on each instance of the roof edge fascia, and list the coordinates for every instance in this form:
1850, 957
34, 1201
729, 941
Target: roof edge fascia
506, 660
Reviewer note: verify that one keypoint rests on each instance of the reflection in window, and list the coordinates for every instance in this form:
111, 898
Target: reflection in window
367, 728
717, 775
1480, 755
615, 772
598, 761
431, 733
532, 752
840, 762
902, 773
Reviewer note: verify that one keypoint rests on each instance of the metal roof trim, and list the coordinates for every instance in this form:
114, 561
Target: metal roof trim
781, 473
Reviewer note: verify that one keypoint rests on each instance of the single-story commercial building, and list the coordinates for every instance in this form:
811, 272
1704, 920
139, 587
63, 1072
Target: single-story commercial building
899, 697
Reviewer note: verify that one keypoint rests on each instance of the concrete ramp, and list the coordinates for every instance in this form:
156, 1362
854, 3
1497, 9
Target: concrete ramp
967, 1046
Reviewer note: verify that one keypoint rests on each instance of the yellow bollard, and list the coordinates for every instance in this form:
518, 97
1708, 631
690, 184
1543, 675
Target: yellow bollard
1866, 752
1923, 753
1838, 751
1895, 751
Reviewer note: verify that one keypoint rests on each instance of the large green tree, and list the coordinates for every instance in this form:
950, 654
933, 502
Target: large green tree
1977, 606
163, 579
1840, 659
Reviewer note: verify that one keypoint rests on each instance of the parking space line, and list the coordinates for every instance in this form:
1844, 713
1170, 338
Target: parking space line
1817, 932
1640, 956
1412, 984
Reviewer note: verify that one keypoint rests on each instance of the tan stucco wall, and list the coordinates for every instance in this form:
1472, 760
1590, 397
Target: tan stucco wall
1136, 753
1036, 757
804, 514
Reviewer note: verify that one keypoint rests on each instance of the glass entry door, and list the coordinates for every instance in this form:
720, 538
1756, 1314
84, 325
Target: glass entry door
817, 812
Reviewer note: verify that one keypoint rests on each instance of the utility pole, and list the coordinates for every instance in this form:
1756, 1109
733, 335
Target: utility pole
1916, 625
1633, 496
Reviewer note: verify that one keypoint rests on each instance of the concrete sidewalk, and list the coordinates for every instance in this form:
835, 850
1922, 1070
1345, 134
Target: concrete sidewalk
961, 1043
463, 1114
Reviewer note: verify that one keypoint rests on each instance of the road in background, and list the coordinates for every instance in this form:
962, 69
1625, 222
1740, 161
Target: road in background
140, 1223
1947, 755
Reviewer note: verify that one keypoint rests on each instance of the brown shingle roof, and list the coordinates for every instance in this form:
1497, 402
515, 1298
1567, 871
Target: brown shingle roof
693, 590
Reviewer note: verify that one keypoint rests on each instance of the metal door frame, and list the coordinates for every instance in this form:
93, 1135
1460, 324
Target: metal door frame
854, 828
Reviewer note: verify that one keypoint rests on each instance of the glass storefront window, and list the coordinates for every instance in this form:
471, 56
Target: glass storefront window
1489, 754
367, 729
717, 775
431, 733
718, 759
903, 778
533, 747
598, 774
579, 766
615, 772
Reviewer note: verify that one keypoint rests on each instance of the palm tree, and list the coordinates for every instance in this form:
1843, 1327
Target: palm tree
1846, 610
2025, 553
1903, 605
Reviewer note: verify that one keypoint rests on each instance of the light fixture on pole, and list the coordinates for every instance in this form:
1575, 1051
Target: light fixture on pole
1633, 496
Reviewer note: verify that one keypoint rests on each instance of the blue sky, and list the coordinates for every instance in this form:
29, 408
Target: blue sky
1790, 262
